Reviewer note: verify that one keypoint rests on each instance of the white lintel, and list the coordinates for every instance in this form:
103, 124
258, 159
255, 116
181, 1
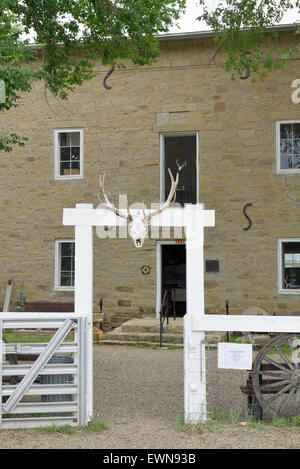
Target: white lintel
103, 217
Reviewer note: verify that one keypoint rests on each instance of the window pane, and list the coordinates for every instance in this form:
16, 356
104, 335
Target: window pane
67, 249
75, 167
296, 130
292, 260
286, 130
66, 280
66, 264
75, 164
297, 147
286, 146
296, 162
75, 153
65, 168
64, 154
75, 138
286, 162
64, 139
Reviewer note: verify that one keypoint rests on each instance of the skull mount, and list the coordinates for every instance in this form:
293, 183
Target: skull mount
138, 221
138, 228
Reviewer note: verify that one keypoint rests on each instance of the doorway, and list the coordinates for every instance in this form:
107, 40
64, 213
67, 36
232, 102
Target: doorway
171, 275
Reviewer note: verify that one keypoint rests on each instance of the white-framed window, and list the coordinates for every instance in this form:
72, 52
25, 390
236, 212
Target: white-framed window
180, 149
64, 264
289, 266
288, 146
68, 153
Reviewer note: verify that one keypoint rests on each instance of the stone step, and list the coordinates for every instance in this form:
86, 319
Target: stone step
151, 325
118, 334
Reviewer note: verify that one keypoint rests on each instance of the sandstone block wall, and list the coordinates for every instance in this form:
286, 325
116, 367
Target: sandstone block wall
122, 127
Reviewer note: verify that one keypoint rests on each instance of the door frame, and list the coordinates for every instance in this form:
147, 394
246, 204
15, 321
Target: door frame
159, 245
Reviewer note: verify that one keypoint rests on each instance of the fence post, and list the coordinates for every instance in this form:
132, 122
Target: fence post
84, 297
194, 343
82, 364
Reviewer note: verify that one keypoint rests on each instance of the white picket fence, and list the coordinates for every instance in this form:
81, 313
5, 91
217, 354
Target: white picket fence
43, 383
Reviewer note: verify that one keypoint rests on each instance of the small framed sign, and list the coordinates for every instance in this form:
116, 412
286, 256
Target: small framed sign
235, 356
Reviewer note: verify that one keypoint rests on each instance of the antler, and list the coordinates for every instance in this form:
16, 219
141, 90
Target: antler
108, 204
180, 166
171, 197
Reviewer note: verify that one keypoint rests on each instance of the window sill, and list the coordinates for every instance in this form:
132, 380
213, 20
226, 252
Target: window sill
288, 171
296, 291
71, 289
62, 178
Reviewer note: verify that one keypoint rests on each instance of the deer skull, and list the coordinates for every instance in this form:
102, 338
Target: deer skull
138, 220
138, 228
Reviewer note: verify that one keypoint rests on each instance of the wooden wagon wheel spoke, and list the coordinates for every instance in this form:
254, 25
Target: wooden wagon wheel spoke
297, 398
274, 374
282, 406
290, 342
265, 387
278, 365
282, 391
284, 358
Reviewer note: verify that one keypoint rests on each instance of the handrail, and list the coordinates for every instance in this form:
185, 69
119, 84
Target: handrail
164, 313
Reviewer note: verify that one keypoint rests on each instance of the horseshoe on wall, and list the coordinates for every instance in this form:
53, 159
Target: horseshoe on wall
106, 77
248, 218
244, 77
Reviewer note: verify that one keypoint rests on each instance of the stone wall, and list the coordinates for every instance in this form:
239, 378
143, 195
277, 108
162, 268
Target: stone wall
236, 125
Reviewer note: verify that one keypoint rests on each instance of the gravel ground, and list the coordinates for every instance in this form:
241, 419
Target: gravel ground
139, 394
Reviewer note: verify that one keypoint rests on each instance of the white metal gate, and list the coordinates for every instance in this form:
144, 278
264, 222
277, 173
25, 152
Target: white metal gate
43, 382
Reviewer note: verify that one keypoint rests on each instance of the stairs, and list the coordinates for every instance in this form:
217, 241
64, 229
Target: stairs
147, 329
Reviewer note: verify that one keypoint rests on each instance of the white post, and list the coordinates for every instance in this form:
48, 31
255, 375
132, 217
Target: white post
194, 343
84, 296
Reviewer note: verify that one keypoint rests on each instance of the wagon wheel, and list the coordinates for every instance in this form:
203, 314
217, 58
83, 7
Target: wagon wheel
276, 376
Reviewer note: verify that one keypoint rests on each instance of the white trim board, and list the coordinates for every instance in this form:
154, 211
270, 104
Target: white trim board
174, 216
239, 323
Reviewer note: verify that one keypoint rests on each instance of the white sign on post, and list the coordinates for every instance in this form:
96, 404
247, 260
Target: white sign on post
235, 356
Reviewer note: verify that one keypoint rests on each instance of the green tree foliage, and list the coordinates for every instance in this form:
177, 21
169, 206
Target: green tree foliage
243, 34
70, 35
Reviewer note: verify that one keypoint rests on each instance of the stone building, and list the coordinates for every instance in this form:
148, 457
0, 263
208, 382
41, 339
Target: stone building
241, 143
